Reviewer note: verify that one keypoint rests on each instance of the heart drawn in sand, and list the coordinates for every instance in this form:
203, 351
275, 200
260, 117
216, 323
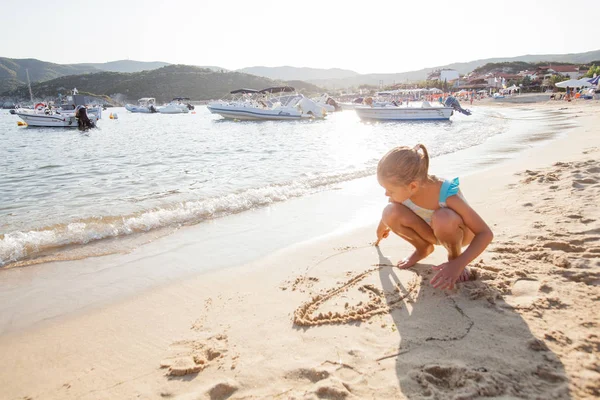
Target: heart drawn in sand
330, 307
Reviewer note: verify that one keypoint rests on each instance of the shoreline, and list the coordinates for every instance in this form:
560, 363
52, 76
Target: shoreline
238, 318
38, 293
67, 238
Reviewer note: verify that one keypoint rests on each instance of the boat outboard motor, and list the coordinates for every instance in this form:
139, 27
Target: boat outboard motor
452, 102
190, 107
83, 121
152, 108
333, 103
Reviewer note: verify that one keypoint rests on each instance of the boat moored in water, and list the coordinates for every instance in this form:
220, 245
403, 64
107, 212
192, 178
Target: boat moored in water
392, 112
176, 106
145, 105
416, 111
65, 116
267, 104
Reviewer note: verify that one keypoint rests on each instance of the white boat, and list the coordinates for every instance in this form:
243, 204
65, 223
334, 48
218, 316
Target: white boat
263, 104
53, 118
145, 105
422, 111
176, 106
66, 116
390, 112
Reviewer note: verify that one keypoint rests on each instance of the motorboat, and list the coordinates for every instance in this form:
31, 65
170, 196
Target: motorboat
273, 103
176, 106
413, 111
67, 115
145, 105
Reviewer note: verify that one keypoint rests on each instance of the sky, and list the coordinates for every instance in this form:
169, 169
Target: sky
363, 36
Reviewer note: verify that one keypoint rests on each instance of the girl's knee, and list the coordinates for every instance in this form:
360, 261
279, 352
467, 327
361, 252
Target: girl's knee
395, 213
446, 221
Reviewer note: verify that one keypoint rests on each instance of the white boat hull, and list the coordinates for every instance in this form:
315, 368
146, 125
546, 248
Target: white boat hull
53, 120
255, 114
173, 110
404, 113
137, 109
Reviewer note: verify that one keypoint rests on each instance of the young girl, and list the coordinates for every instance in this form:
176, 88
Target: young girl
425, 210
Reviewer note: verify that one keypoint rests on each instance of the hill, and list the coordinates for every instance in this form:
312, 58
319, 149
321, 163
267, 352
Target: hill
461, 67
126, 65
13, 71
514, 67
163, 84
287, 73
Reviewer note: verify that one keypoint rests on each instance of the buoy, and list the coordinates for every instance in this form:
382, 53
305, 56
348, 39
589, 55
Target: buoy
21, 123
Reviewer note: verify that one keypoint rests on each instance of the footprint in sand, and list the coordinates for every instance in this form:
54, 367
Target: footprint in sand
331, 380
524, 293
192, 356
452, 381
463, 382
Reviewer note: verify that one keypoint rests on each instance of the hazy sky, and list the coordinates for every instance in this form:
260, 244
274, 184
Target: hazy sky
364, 36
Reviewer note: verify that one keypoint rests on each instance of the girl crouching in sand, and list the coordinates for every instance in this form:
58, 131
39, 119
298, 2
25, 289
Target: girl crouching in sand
425, 210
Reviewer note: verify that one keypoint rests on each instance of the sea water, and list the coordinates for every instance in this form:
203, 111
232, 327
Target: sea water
62, 190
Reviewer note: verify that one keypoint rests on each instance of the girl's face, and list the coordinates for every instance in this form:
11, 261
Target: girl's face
398, 192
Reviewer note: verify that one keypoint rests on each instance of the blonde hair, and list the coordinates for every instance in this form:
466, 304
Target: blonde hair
404, 164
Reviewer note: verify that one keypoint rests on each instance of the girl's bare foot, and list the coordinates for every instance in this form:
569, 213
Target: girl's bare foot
415, 257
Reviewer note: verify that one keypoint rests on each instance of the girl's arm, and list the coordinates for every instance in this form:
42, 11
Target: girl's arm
450, 271
472, 220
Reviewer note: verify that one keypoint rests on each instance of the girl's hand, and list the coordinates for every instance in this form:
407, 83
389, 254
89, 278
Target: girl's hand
382, 232
447, 276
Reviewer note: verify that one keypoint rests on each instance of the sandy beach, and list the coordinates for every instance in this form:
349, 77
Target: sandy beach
332, 318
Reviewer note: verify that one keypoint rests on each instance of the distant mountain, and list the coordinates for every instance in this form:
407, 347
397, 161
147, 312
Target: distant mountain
139, 66
287, 73
461, 67
163, 84
126, 65
13, 71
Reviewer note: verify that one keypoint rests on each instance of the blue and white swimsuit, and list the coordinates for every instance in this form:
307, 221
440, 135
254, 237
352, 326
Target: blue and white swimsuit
449, 188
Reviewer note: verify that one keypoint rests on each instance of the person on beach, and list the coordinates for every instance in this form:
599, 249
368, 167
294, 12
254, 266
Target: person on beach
426, 210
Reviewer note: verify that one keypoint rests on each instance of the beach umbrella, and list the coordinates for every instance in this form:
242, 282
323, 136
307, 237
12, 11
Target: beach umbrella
594, 81
583, 82
572, 83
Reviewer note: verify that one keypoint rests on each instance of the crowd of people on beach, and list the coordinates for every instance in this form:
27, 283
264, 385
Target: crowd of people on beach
574, 93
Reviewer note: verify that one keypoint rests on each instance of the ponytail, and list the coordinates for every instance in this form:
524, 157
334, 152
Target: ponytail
424, 159
404, 164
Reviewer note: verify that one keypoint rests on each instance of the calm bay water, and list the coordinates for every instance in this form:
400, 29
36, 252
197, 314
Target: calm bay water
140, 173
